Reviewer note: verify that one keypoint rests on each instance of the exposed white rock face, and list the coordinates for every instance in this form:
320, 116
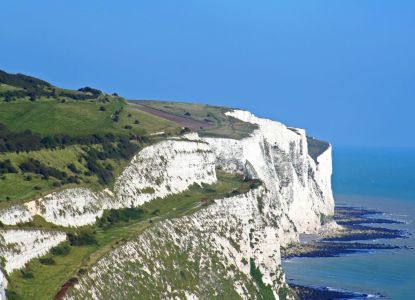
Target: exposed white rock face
323, 176
213, 245
299, 191
17, 247
166, 168
157, 171
3, 286
14, 215
71, 207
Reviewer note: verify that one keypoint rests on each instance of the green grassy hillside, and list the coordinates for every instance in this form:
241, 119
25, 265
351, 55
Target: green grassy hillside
52, 138
212, 119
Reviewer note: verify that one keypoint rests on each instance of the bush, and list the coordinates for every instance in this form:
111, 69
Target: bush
73, 168
26, 274
61, 250
88, 89
113, 216
82, 238
35, 166
47, 261
7, 167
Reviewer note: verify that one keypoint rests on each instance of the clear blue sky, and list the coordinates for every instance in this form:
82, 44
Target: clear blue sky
344, 70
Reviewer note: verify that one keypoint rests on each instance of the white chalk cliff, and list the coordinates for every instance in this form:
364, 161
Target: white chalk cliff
221, 240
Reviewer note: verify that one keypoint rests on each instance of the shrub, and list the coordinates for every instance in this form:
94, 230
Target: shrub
88, 89
73, 168
26, 274
113, 216
61, 250
82, 238
7, 167
47, 261
35, 166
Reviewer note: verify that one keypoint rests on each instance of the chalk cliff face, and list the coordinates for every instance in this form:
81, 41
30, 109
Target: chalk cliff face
216, 247
299, 190
3, 285
17, 247
212, 249
159, 170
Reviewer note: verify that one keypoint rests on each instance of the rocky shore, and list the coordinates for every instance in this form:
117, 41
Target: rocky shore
352, 230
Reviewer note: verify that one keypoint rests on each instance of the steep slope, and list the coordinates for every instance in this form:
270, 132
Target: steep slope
299, 188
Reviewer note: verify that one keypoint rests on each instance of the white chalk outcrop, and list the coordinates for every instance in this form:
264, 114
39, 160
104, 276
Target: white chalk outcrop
17, 247
159, 170
14, 215
232, 232
299, 190
167, 168
3, 286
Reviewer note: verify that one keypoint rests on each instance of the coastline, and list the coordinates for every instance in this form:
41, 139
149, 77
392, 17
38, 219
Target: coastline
352, 230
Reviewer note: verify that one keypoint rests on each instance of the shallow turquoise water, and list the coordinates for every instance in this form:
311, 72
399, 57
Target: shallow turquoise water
378, 179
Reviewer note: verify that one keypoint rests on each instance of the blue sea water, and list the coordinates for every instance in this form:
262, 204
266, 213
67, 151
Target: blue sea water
381, 179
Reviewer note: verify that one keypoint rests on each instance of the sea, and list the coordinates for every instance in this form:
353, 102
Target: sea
380, 179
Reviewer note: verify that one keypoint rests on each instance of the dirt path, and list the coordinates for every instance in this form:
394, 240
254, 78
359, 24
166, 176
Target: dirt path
69, 284
182, 120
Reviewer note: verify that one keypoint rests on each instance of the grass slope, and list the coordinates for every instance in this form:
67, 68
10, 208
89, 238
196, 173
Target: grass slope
35, 114
77, 118
220, 125
73, 118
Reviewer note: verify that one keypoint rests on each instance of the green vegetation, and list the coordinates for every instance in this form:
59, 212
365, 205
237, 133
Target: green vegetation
52, 138
286, 293
88, 244
78, 118
61, 249
218, 124
114, 216
26, 175
84, 237
265, 291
